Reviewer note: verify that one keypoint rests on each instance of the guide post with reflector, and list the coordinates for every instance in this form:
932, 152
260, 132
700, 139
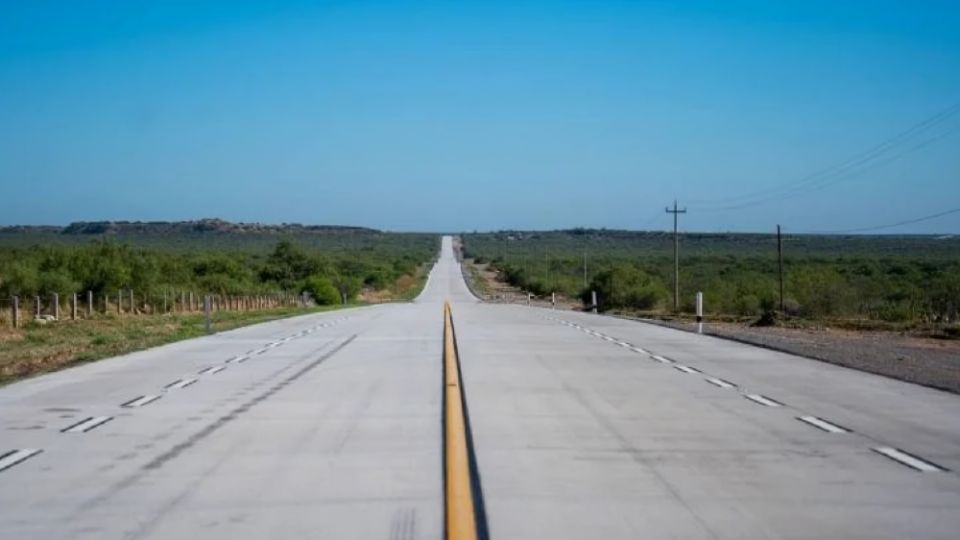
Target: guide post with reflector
699, 312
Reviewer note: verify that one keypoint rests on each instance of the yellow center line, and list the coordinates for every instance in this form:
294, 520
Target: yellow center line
460, 514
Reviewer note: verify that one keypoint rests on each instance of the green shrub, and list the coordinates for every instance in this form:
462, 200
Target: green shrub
322, 289
625, 286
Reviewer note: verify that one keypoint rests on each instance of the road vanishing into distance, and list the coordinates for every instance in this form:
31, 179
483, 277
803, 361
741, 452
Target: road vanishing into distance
576, 426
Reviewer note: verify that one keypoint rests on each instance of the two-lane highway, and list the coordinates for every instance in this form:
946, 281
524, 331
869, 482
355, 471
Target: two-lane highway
582, 426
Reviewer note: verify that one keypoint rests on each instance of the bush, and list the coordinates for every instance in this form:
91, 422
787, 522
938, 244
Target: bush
625, 286
322, 289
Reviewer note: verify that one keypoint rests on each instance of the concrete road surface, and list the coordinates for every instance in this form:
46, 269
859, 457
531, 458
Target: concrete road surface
584, 426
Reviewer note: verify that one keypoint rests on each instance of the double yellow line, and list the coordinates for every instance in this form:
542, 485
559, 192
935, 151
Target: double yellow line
461, 520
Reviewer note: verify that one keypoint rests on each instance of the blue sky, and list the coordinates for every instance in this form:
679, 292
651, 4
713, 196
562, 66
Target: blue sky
486, 115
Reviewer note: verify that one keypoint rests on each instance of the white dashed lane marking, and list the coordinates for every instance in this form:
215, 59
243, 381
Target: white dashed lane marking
87, 424
822, 424
212, 370
140, 401
763, 400
179, 384
13, 457
908, 459
720, 382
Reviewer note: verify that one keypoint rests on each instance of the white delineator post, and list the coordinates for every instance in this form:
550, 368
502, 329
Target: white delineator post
593, 301
553, 300
699, 312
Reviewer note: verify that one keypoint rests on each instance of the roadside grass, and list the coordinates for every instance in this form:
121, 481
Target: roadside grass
41, 348
409, 287
477, 282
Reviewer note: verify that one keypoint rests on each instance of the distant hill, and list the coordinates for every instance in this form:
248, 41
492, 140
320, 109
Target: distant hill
209, 234
138, 228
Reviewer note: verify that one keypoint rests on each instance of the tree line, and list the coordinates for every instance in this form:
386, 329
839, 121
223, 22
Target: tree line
105, 266
905, 282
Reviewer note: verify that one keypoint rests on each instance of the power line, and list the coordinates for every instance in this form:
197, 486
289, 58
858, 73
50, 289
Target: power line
858, 164
890, 225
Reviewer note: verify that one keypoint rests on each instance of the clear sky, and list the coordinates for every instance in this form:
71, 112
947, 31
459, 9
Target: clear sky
483, 115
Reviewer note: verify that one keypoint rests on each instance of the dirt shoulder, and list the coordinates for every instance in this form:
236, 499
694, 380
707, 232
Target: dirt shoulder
41, 348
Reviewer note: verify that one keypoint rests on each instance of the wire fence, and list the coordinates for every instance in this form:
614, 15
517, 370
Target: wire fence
17, 311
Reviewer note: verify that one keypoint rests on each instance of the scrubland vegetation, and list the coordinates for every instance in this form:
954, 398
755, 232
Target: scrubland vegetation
331, 264
162, 262
884, 278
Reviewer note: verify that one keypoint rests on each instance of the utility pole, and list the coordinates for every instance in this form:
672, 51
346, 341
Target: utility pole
584, 269
676, 255
780, 264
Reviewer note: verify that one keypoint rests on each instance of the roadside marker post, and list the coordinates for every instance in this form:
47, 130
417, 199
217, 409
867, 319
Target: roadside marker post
553, 300
593, 301
56, 306
16, 311
699, 312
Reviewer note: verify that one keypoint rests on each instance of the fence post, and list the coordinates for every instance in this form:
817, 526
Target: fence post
89, 303
133, 306
699, 312
16, 311
56, 306
73, 308
206, 311
120, 302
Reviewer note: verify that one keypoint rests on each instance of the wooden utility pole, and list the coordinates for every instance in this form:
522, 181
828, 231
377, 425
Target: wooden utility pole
584, 269
780, 264
676, 255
